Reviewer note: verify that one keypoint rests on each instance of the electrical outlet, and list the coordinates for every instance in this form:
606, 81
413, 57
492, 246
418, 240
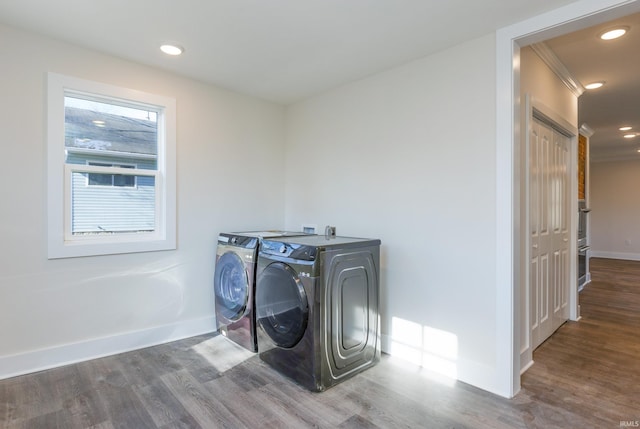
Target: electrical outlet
627, 242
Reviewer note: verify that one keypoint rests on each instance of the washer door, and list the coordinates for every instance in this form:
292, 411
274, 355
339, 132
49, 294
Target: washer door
281, 305
231, 285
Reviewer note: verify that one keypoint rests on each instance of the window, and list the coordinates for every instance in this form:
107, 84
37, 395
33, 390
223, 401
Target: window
97, 179
111, 169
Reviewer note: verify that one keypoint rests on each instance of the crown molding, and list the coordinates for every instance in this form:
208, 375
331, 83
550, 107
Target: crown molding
586, 130
550, 59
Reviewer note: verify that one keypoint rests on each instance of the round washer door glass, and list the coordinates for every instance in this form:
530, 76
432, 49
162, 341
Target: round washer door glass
231, 286
281, 305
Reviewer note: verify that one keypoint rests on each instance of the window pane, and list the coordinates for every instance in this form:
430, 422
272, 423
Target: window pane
99, 179
96, 179
112, 209
122, 180
103, 129
102, 134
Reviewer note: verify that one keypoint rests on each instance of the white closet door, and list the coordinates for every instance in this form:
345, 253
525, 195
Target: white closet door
561, 195
549, 209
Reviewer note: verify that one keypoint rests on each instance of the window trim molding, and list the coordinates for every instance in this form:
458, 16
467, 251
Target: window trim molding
58, 245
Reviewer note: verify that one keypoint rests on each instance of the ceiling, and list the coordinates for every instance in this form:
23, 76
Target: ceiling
617, 103
287, 50
278, 50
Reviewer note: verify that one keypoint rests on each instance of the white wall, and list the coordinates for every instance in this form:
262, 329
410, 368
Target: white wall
615, 209
539, 81
408, 156
53, 311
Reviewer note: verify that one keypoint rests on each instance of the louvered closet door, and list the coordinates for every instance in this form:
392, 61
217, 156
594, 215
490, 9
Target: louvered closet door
549, 210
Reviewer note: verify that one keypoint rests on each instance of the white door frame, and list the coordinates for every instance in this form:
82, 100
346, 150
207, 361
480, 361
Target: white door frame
509, 233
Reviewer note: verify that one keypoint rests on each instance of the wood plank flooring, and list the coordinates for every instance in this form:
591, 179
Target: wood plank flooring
592, 367
587, 375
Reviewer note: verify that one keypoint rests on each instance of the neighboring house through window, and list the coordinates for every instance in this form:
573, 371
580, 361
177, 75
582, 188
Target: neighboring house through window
111, 159
97, 179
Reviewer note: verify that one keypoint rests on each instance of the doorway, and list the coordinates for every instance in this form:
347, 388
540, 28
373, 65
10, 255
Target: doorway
510, 232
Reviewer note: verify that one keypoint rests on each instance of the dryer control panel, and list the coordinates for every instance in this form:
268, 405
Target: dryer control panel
289, 250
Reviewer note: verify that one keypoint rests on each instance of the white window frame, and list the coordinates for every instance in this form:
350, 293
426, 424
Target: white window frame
61, 243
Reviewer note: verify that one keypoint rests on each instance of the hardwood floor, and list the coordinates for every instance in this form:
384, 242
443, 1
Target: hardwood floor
587, 375
591, 368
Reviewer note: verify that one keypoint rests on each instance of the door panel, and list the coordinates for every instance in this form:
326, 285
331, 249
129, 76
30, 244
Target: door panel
561, 232
549, 202
351, 309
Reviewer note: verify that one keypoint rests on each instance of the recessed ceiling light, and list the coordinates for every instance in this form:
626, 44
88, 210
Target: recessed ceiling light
614, 33
624, 128
172, 49
594, 85
629, 136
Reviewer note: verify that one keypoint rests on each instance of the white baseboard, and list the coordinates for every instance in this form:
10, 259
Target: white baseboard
526, 367
615, 255
52, 357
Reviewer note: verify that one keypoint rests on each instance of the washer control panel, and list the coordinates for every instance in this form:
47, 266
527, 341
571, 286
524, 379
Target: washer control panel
238, 240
